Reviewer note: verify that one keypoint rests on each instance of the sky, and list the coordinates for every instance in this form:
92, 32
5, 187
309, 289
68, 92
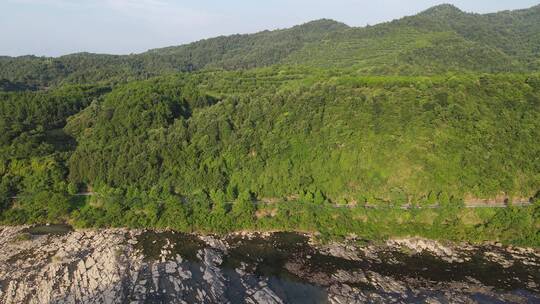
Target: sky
59, 27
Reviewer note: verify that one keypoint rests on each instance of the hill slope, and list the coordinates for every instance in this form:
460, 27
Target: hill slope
439, 40
193, 151
231, 52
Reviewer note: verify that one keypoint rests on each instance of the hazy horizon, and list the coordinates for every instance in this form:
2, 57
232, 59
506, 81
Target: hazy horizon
61, 27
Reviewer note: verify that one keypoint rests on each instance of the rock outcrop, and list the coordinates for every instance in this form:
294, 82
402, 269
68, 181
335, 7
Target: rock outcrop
136, 266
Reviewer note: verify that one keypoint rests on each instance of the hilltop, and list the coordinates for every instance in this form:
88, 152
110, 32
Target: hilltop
439, 40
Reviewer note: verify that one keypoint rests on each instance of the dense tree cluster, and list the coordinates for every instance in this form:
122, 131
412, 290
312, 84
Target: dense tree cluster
206, 150
355, 139
33, 146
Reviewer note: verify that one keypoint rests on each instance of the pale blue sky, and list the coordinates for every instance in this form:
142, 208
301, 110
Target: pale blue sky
57, 27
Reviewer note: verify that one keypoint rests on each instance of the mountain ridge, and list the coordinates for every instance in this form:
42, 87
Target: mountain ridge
438, 40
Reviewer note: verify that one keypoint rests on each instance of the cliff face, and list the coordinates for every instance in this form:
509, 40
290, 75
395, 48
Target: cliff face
134, 266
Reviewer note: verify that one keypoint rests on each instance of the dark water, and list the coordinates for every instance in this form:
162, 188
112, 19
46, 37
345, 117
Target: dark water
57, 229
152, 242
267, 258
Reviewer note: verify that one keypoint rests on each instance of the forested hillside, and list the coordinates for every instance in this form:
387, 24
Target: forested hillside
440, 40
307, 136
232, 52
352, 138
302, 129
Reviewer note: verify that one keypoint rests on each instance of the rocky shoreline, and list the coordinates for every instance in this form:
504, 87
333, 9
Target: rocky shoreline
144, 266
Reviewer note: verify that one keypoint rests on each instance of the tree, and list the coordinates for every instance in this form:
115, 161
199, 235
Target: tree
243, 210
72, 188
175, 215
319, 198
